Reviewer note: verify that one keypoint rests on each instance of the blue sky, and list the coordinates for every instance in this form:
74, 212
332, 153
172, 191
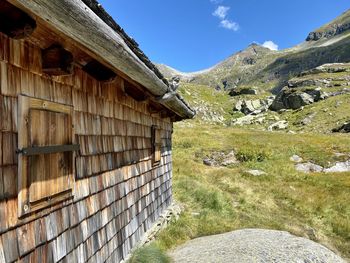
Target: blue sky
191, 35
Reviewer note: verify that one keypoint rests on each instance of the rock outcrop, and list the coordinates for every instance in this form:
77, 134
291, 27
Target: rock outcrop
253, 106
243, 91
345, 128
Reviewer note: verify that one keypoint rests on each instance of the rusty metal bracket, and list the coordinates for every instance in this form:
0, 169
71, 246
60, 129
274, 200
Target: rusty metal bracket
37, 150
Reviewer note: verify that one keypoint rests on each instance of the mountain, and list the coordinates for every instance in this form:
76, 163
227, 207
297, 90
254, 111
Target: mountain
270, 70
336, 27
304, 88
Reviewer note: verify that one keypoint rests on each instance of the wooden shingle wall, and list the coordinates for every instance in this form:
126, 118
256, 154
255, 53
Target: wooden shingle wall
118, 194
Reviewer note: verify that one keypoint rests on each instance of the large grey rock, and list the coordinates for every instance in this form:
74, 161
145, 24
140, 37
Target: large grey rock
291, 98
308, 167
253, 106
339, 167
297, 100
345, 128
280, 125
253, 245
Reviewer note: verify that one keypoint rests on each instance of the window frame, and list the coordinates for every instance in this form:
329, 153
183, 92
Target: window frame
25, 104
156, 146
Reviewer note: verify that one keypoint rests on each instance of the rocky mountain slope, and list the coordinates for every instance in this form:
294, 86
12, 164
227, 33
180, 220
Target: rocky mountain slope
304, 88
268, 69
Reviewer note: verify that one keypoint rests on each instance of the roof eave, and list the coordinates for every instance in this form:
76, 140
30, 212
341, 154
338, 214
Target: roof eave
78, 22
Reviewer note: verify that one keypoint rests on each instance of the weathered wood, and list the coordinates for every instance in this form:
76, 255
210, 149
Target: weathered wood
81, 24
9, 241
26, 238
99, 71
57, 61
49, 178
14, 22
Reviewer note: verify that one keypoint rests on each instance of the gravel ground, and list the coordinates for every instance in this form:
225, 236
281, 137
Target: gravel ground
254, 246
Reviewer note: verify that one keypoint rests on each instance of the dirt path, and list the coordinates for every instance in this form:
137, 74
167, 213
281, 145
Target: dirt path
254, 246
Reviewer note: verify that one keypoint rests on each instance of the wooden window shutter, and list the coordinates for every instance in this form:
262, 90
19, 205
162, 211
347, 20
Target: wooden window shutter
46, 154
156, 145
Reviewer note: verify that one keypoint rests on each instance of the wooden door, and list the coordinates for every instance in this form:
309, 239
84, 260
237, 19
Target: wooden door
49, 173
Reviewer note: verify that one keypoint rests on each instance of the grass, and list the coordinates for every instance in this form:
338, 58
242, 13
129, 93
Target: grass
218, 200
149, 254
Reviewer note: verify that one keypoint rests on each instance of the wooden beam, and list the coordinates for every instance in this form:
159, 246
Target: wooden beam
99, 71
79, 23
57, 61
14, 22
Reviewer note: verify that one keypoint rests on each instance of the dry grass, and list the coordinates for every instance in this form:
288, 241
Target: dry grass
224, 199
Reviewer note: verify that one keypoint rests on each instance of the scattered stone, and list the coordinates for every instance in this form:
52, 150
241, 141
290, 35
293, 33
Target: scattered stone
296, 158
246, 120
217, 159
280, 125
238, 105
308, 167
256, 172
345, 128
311, 233
308, 119
339, 167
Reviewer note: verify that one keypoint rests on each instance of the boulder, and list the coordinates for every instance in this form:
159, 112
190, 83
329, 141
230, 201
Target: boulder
280, 125
308, 167
253, 106
339, 167
297, 100
296, 158
243, 91
292, 98
345, 128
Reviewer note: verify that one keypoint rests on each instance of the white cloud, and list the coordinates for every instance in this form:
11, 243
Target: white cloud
216, 1
229, 25
271, 45
221, 12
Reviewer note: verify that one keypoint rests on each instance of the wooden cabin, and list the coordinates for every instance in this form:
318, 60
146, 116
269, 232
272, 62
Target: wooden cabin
85, 134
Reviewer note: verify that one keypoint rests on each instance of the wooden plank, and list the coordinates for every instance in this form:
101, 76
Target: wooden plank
34, 59
4, 47
9, 241
26, 238
6, 111
8, 148
9, 174
18, 53
2, 253
40, 232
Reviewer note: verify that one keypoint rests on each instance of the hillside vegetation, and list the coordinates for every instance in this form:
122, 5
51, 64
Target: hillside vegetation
221, 199
262, 107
